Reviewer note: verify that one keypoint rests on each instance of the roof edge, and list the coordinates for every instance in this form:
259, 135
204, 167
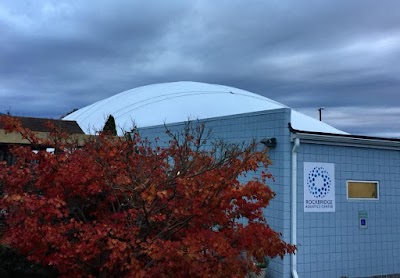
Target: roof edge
40, 124
361, 141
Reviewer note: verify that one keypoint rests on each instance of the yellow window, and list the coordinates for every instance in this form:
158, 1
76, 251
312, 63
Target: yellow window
362, 190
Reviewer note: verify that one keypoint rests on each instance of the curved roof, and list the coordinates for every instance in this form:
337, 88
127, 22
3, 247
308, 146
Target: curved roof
179, 101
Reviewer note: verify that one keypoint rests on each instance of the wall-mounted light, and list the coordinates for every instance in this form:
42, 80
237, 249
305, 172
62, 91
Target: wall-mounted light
269, 142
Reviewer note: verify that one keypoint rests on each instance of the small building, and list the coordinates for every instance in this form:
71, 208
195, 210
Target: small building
337, 193
41, 129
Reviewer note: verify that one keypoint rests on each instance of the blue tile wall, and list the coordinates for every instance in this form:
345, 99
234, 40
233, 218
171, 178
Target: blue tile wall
329, 244
245, 127
332, 244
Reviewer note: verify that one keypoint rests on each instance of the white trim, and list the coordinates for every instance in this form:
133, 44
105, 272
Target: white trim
348, 141
362, 199
296, 146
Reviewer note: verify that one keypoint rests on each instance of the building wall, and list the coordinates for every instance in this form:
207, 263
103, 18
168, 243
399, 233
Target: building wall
331, 244
245, 127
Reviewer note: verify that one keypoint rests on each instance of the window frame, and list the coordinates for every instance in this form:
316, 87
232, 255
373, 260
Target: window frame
363, 199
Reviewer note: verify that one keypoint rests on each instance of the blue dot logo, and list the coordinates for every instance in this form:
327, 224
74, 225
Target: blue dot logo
319, 182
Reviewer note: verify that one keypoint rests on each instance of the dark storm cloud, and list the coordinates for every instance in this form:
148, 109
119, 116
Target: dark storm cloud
343, 55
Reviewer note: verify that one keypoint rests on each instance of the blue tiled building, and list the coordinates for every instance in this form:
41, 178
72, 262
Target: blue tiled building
337, 194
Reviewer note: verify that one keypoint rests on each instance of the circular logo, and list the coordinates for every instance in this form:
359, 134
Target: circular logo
319, 182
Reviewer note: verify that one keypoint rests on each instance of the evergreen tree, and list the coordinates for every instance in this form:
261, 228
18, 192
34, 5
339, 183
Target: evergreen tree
109, 127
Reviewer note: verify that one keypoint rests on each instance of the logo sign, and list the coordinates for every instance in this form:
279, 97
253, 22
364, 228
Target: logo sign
319, 187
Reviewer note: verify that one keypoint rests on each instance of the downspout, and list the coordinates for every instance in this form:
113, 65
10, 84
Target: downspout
296, 146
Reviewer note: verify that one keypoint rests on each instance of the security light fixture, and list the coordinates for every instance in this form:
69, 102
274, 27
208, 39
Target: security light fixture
269, 142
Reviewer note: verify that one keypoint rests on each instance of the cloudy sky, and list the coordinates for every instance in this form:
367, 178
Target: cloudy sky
341, 55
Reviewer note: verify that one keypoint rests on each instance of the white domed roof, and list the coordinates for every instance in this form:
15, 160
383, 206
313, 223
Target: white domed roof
180, 101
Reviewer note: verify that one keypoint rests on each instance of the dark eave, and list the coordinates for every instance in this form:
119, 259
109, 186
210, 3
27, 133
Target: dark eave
360, 141
41, 125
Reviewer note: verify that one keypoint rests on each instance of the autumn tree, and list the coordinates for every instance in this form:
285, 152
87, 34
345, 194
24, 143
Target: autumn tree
131, 208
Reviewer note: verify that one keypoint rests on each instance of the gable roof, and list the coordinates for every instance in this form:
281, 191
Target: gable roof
40, 124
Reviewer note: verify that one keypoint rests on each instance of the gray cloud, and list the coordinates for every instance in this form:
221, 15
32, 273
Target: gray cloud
344, 55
